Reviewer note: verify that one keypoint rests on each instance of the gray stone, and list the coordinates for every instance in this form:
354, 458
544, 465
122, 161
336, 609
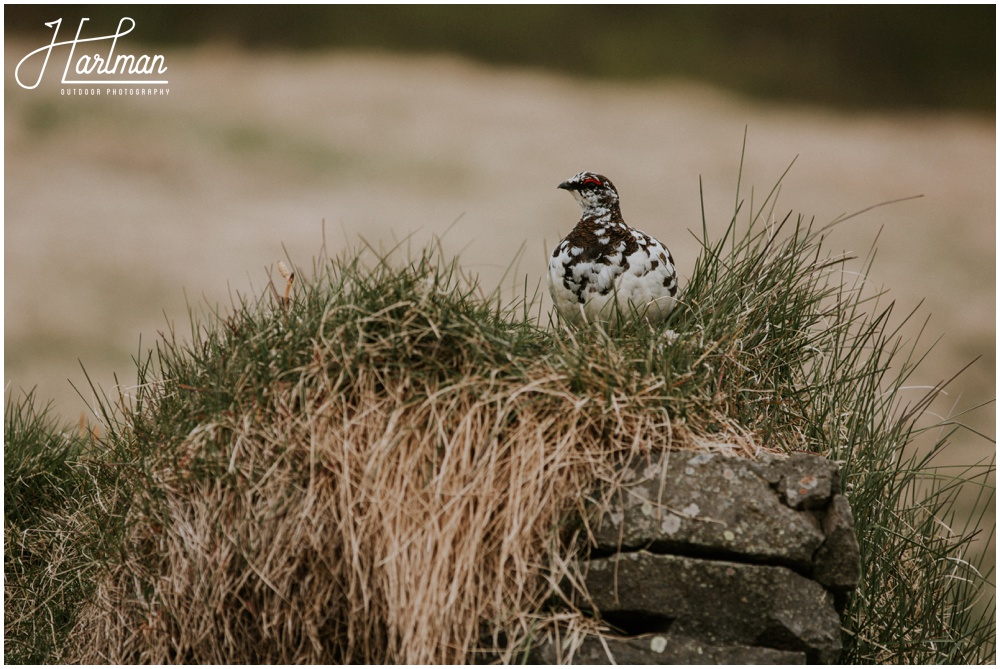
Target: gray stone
664, 649
838, 561
713, 505
717, 560
808, 481
718, 602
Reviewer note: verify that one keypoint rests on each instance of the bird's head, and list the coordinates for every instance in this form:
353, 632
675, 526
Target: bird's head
595, 192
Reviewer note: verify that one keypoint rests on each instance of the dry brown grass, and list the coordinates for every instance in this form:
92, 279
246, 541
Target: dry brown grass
397, 521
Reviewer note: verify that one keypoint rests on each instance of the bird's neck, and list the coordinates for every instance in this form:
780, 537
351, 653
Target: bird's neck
602, 215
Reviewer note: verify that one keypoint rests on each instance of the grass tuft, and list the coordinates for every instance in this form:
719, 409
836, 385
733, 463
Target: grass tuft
46, 569
380, 463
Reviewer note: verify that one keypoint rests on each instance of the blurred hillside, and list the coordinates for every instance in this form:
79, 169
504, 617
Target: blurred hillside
887, 57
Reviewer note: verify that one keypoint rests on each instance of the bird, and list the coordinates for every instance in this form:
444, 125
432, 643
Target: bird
603, 263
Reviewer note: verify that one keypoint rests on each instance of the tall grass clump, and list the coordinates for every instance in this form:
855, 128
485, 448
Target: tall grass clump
45, 572
392, 466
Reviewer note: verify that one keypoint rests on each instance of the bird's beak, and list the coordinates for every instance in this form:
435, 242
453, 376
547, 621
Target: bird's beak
566, 185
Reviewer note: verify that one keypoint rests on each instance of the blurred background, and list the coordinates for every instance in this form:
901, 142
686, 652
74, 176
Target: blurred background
853, 57
410, 122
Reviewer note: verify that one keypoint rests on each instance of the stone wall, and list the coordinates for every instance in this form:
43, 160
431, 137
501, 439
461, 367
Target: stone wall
708, 559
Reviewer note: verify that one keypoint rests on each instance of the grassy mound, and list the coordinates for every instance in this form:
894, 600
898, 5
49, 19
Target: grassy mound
393, 467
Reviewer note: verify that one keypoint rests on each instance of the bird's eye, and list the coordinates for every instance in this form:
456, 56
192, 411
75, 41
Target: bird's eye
590, 183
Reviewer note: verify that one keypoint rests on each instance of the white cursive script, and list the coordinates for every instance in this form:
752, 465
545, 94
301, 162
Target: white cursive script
110, 65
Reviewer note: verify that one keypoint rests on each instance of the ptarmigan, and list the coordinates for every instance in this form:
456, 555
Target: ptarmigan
603, 262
